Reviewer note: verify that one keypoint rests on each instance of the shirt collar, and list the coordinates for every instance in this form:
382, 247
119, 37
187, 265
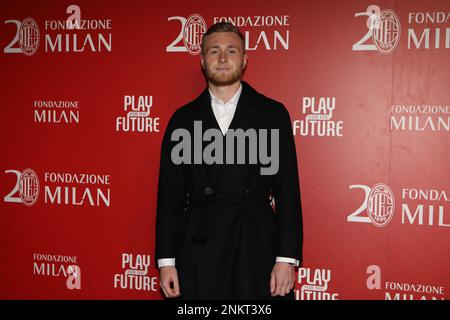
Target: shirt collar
234, 100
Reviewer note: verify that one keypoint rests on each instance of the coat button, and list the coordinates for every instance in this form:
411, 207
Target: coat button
208, 191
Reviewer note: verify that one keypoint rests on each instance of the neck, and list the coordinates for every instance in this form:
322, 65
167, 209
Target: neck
224, 93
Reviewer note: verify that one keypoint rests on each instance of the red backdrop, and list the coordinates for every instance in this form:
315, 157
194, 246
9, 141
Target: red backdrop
79, 182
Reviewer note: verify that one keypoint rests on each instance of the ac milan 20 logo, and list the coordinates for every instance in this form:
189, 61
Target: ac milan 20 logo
193, 32
28, 187
29, 36
386, 31
380, 205
383, 30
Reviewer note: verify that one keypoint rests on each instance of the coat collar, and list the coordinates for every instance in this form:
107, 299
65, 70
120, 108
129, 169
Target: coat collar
245, 106
245, 117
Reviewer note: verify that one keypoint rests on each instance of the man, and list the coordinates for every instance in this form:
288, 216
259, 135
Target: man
217, 235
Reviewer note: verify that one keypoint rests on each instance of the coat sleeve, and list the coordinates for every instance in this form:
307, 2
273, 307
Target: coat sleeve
171, 199
286, 191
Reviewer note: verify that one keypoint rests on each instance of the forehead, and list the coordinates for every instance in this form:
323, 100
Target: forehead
223, 39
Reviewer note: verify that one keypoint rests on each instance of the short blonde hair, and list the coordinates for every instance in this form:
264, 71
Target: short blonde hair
222, 27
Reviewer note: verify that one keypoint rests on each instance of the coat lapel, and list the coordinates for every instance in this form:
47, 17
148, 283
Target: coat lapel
206, 116
244, 118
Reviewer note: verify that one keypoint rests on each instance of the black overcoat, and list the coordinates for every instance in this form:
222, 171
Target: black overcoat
216, 219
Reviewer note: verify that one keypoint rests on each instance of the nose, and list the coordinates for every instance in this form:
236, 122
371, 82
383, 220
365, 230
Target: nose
223, 56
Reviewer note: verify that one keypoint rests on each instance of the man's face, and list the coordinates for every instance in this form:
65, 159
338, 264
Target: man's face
224, 59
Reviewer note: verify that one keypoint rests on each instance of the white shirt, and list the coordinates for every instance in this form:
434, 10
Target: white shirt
224, 112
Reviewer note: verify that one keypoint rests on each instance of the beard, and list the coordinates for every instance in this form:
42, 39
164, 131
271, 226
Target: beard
223, 79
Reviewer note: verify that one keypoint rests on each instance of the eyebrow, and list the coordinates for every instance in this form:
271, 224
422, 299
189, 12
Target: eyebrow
216, 46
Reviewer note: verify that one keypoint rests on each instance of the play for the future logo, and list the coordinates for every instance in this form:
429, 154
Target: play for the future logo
315, 285
135, 273
136, 117
319, 118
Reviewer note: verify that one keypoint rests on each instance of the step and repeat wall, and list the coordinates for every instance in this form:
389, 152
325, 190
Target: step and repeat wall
87, 89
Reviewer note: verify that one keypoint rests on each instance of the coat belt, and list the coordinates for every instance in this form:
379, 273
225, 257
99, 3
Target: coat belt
242, 202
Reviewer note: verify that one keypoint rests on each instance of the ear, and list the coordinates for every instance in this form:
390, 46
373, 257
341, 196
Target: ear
202, 62
245, 61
